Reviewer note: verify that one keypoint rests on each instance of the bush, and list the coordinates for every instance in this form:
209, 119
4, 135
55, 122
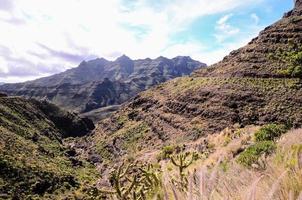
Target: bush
294, 59
252, 154
297, 72
269, 132
166, 152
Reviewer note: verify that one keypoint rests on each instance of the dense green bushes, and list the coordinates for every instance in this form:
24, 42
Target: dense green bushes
269, 132
252, 154
264, 144
294, 59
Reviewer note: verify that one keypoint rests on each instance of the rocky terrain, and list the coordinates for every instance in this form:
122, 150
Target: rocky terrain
255, 85
100, 83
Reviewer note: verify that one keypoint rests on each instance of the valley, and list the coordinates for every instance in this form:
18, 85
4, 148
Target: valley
164, 129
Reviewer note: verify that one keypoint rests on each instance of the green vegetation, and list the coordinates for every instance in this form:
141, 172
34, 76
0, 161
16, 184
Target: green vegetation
252, 154
121, 120
134, 133
33, 159
134, 182
187, 84
265, 139
292, 71
166, 152
182, 161
129, 137
270, 132
294, 60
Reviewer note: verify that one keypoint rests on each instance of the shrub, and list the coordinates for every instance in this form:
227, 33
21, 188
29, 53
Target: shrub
269, 132
297, 72
253, 153
166, 152
294, 58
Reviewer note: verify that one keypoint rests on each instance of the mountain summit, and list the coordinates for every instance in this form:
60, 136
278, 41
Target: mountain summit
100, 83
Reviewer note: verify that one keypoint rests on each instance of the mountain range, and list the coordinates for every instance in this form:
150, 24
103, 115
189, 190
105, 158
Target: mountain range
228, 131
100, 83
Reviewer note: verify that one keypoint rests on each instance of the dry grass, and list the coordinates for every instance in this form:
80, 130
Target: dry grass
281, 180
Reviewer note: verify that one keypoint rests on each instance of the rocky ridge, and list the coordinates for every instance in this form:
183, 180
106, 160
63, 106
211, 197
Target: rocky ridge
100, 83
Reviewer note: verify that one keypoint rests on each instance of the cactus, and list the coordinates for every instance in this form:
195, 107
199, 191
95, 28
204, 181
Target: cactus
149, 180
145, 179
150, 175
122, 190
182, 161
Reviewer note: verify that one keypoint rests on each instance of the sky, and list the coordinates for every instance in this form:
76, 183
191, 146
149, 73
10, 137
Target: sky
43, 37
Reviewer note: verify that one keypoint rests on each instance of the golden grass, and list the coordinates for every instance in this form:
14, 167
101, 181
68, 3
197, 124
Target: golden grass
279, 181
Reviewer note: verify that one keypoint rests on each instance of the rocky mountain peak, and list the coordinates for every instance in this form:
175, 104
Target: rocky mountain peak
161, 58
183, 58
123, 58
297, 11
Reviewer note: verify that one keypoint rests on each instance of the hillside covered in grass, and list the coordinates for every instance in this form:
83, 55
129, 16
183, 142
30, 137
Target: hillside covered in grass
34, 160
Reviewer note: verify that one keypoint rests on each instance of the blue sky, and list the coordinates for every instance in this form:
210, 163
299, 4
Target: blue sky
40, 38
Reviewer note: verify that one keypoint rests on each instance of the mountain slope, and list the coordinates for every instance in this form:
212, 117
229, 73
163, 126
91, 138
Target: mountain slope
34, 161
99, 83
246, 88
267, 54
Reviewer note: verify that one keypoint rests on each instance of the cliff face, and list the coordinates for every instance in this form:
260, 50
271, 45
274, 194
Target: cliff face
100, 83
256, 84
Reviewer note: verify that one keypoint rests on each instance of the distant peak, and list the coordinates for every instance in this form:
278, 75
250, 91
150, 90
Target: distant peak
101, 59
162, 58
122, 58
96, 61
183, 57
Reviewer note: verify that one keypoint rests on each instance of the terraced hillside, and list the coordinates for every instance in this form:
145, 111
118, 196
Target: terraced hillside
255, 85
271, 54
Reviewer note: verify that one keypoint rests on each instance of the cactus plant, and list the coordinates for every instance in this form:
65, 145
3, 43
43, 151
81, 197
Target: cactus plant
182, 161
145, 180
122, 188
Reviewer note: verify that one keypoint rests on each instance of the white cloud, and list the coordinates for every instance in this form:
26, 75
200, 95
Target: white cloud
255, 18
51, 35
224, 30
3, 66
